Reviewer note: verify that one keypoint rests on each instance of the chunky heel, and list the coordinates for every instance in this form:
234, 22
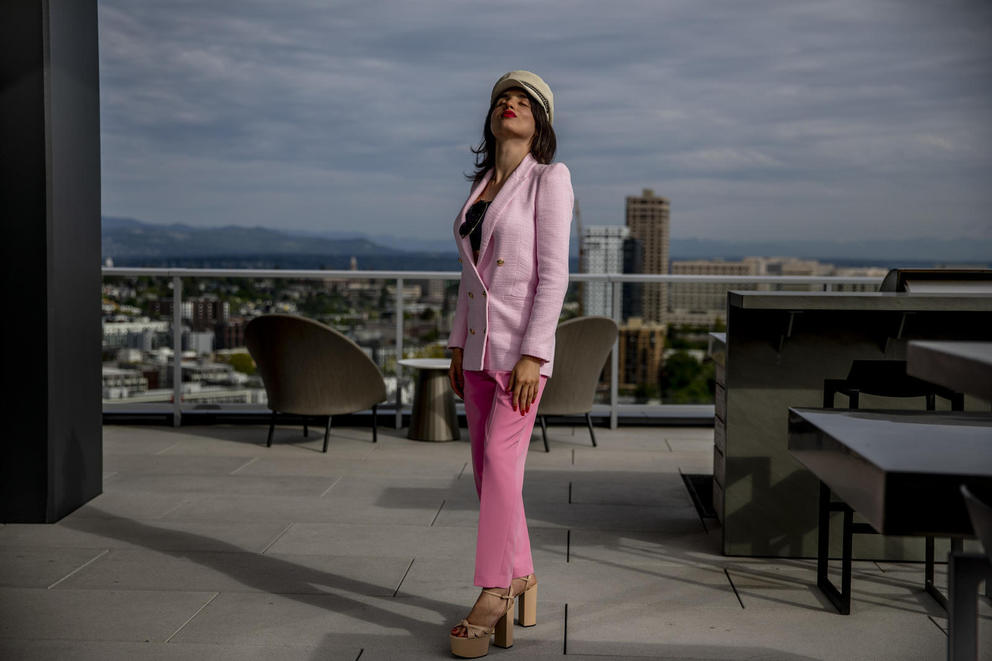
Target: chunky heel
504, 629
527, 611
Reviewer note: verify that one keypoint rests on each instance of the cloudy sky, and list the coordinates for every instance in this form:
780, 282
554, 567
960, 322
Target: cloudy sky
795, 119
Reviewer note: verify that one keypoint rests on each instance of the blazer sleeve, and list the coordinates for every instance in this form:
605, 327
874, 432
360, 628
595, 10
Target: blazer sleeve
552, 219
459, 327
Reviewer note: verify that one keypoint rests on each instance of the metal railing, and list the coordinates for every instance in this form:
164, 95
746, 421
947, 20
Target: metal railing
616, 279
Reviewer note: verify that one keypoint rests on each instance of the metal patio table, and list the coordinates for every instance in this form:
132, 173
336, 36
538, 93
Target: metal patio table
965, 367
962, 366
901, 470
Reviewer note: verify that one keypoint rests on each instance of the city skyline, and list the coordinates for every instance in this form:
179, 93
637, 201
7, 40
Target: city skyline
758, 120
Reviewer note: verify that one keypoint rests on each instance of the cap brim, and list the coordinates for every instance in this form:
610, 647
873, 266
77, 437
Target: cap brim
507, 84
525, 86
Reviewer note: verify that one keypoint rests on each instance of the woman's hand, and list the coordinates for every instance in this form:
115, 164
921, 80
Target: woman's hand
524, 381
455, 375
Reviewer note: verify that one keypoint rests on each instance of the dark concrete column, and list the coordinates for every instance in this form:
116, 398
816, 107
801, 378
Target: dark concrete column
50, 430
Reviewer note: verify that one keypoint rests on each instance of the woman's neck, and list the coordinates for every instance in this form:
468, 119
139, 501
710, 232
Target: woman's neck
509, 153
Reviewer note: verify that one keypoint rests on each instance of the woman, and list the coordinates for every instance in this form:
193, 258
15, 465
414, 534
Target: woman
512, 236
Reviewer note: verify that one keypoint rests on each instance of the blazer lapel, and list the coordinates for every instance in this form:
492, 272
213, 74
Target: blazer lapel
465, 242
503, 197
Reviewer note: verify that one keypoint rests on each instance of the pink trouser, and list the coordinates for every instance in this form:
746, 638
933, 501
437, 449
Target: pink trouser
500, 439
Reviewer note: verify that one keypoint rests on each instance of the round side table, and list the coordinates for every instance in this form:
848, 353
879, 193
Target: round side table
433, 417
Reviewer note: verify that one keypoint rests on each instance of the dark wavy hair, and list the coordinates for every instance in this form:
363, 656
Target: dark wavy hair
542, 147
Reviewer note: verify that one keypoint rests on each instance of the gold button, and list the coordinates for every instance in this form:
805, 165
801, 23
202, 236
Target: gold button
472, 331
471, 295
484, 292
499, 262
459, 260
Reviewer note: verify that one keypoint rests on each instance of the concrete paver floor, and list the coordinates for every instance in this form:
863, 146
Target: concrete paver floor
207, 545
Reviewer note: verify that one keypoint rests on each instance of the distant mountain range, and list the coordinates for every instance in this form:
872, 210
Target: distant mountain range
130, 238
132, 242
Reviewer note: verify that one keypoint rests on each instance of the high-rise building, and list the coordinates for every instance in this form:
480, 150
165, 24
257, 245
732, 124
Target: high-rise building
602, 252
705, 303
203, 313
642, 346
231, 333
633, 292
860, 272
648, 221
791, 266
202, 342
139, 333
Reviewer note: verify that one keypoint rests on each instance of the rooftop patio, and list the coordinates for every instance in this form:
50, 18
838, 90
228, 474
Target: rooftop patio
206, 544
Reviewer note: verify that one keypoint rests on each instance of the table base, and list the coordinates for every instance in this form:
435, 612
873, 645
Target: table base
841, 598
433, 417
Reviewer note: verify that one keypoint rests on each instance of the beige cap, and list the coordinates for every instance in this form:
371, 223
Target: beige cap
530, 82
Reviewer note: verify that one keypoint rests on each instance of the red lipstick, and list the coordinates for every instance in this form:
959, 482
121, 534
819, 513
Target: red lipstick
508, 113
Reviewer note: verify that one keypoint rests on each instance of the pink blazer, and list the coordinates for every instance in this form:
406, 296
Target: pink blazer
509, 303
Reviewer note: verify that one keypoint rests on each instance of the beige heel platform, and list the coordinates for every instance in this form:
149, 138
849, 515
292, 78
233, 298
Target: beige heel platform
476, 643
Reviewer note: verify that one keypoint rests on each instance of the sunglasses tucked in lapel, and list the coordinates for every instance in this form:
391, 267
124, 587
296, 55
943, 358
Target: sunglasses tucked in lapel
495, 211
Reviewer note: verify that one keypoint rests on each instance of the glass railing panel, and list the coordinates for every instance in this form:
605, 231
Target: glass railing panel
136, 314
661, 356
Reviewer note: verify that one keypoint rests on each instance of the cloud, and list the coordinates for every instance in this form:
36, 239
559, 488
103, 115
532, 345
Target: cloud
723, 159
803, 117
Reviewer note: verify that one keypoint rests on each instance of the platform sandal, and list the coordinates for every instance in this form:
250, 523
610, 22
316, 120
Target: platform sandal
476, 641
527, 603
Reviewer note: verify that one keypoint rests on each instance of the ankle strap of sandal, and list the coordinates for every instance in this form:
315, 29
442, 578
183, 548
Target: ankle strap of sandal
509, 597
527, 583
474, 630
